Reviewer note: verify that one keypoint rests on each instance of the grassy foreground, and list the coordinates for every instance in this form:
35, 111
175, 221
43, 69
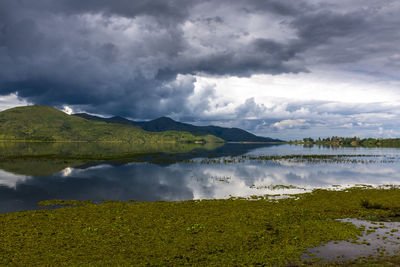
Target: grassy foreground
202, 233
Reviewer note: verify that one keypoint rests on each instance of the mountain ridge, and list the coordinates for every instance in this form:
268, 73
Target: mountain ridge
165, 123
47, 124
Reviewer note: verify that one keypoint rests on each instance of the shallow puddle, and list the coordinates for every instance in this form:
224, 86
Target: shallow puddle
379, 239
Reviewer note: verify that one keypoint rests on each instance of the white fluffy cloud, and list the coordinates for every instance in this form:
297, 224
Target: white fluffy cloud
320, 103
289, 124
10, 101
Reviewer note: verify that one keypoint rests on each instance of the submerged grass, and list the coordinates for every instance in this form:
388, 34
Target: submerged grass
300, 158
38, 159
208, 232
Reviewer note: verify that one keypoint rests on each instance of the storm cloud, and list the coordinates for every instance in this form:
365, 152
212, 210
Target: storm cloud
143, 59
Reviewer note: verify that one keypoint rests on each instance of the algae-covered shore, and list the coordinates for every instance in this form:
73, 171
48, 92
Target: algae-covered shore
231, 232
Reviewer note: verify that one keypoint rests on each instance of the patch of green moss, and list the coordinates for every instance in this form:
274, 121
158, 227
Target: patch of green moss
231, 232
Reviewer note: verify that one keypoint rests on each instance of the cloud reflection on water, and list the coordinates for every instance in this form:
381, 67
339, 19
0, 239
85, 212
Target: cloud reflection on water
182, 181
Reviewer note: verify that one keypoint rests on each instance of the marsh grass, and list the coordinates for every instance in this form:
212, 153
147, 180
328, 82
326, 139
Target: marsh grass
276, 187
365, 203
299, 158
38, 159
231, 232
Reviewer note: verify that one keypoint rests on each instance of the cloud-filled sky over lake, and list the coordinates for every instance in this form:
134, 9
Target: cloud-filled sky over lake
285, 69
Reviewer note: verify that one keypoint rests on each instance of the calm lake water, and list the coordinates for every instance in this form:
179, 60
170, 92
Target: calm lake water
189, 173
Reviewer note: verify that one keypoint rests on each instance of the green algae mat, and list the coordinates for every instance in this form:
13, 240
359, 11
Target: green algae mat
231, 232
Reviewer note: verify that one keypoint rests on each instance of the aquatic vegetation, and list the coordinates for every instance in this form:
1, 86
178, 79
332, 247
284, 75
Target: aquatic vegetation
370, 205
47, 158
373, 245
207, 232
223, 179
300, 158
276, 187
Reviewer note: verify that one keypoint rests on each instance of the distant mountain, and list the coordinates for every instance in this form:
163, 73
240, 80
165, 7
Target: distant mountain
115, 119
167, 124
41, 123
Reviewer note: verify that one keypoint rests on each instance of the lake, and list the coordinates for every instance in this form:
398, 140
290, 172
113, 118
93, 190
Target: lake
30, 173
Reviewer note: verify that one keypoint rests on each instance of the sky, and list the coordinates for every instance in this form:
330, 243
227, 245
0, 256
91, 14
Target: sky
280, 68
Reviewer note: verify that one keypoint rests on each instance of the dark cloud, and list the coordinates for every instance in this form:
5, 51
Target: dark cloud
139, 58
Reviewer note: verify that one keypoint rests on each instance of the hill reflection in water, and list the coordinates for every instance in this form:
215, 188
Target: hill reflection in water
181, 176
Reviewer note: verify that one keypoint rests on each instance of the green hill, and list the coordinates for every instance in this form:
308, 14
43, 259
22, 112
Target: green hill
168, 124
41, 123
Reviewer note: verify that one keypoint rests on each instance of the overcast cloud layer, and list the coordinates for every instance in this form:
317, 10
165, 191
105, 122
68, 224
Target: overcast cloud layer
285, 69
